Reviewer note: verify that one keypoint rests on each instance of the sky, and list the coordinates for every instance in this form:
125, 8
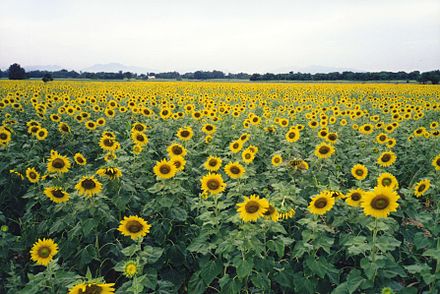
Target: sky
233, 36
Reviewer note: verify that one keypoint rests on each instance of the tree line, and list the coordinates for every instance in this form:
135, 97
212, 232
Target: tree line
16, 72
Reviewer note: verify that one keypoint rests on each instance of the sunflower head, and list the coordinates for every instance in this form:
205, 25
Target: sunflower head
88, 186
324, 150
252, 208
32, 175
179, 162
422, 187
234, 170
386, 159
92, 288
185, 133
165, 169
58, 163
56, 194
380, 202
111, 173
354, 197
388, 180
436, 162
213, 184
80, 159
213, 163
43, 251
176, 150
277, 160
359, 171
321, 203
134, 227
131, 268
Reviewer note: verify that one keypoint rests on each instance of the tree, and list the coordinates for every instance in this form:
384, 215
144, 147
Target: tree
47, 78
16, 72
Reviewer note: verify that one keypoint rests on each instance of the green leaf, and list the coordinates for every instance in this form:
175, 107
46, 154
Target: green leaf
196, 284
211, 270
352, 283
151, 254
244, 268
357, 245
276, 246
387, 243
260, 281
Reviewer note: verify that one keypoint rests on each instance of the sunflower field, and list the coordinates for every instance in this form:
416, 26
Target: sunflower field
209, 187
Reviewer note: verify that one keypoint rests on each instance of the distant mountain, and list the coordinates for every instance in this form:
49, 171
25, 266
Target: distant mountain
116, 67
43, 67
315, 69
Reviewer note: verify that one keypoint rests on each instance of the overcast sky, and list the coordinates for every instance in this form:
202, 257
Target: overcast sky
250, 36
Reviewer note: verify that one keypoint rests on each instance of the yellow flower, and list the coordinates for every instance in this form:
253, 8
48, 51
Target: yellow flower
387, 158
108, 144
130, 268
56, 194
80, 159
271, 213
436, 162
58, 163
354, 197
388, 180
359, 171
86, 288
179, 162
134, 227
380, 202
321, 203
236, 146
88, 186
213, 163
252, 208
292, 135
176, 150
235, 170
43, 251
5, 136
42, 134
164, 169
32, 175
324, 150
213, 183
277, 160
421, 187
111, 173
248, 156
139, 138
185, 133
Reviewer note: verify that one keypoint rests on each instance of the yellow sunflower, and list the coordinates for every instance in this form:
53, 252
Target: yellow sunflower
388, 180
213, 163
236, 146
387, 158
80, 159
88, 186
139, 138
32, 175
381, 138
252, 208
271, 213
130, 268
42, 134
380, 202
324, 150
277, 160
5, 136
234, 170
111, 173
179, 162
58, 163
43, 251
134, 227
248, 156
164, 169
56, 194
436, 162
185, 133
354, 197
176, 150
359, 171
108, 144
91, 288
63, 128
213, 183
292, 135
208, 129
321, 203
421, 187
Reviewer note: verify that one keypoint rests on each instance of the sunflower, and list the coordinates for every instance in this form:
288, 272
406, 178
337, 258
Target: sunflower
248, 156
359, 171
88, 186
139, 138
179, 162
213, 183
252, 208
42, 134
436, 162
137, 149
213, 163
354, 197
130, 268
90, 125
108, 144
321, 203
176, 150
63, 128
5, 136
324, 150
111, 173
236, 146
292, 135
32, 175
366, 129
388, 180
165, 169
331, 137
80, 159
235, 170
421, 187
381, 138
185, 133
380, 202
134, 227
387, 158
277, 160
56, 194
271, 214
208, 129
92, 288
43, 251
140, 127
58, 163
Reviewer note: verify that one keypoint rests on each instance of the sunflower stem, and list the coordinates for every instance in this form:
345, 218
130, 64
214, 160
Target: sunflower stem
373, 249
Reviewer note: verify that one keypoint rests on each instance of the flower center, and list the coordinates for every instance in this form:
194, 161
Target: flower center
184, 133
292, 135
58, 163
108, 142
213, 184
359, 172
324, 150
386, 182
140, 138
252, 206
177, 150
321, 203
386, 157
235, 170
88, 184
421, 187
165, 169
380, 202
44, 252
270, 210
3, 136
57, 193
91, 289
134, 226
212, 162
356, 196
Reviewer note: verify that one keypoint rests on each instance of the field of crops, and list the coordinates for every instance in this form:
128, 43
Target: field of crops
180, 187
